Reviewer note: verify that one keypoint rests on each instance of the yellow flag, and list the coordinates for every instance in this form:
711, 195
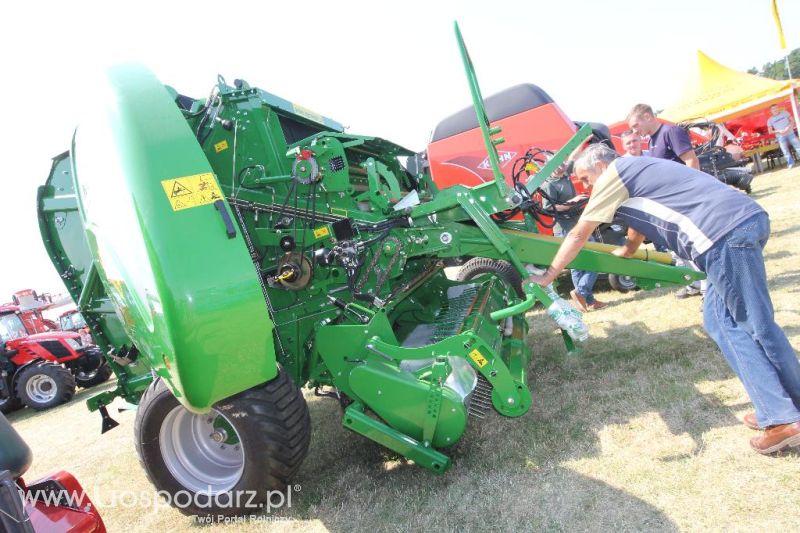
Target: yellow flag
778, 22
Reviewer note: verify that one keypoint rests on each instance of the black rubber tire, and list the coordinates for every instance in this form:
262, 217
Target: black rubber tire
502, 269
101, 376
273, 426
63, 378
622, 283
741, 178
9, 405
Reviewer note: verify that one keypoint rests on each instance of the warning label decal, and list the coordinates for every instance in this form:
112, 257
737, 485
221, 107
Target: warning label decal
478, 357
192, 191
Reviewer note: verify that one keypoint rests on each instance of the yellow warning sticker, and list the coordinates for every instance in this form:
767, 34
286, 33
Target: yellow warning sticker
192, 191
220, 146
322, 231
476, 356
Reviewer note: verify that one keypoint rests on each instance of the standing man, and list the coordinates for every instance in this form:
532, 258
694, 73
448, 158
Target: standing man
724, 232
782, 125
559, 195
667, 141
632, 143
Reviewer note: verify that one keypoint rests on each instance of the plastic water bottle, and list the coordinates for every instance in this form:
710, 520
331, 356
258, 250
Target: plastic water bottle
562, 312
569, 319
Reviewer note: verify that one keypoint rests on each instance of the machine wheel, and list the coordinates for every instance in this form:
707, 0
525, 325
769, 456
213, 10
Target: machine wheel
45, 385
502, 269
9, 404
229, 460
622, 283
100, 374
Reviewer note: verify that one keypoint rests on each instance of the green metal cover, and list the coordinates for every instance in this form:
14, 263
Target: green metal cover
187, 294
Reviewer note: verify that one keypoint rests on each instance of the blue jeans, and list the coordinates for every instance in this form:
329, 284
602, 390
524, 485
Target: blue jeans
583, 280
584, 283
785, 141
738, 316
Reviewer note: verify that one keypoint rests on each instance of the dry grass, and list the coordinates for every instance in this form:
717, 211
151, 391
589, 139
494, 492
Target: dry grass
640, 432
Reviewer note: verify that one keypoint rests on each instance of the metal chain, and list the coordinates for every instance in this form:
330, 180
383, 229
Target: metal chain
381, 278
254, 258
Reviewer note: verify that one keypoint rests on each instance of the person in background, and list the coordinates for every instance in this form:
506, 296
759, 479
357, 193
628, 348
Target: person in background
559, 195
724, 232
667, 141
782, 125
632, 144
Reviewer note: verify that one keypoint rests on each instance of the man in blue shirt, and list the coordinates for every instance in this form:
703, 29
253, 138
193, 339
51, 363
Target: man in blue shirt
667, 141
782, 125
724, 232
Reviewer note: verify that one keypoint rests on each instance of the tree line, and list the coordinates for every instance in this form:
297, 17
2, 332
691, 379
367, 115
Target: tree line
777, 69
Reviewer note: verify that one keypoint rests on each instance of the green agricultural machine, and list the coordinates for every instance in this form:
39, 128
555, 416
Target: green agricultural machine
226, 252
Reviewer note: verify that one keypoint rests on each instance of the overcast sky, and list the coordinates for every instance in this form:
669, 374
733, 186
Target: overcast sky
389, 69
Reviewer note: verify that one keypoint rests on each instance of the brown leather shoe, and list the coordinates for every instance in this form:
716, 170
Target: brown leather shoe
751, 421
578, 300
776, 438
597, 305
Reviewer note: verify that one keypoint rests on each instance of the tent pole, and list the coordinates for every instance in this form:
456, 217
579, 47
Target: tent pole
792, 96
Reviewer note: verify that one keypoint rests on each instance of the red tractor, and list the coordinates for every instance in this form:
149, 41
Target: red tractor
73, 320
43, 369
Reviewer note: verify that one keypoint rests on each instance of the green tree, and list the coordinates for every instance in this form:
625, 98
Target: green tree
777, 69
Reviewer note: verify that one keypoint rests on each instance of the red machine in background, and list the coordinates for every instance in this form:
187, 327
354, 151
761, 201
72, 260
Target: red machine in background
41, 370
529, 118
54, 504
31, 304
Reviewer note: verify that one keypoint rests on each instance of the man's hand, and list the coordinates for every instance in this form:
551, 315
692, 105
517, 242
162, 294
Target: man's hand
543, 279
620, 252
632, 243
571, 246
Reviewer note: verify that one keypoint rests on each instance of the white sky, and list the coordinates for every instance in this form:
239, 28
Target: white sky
389, 69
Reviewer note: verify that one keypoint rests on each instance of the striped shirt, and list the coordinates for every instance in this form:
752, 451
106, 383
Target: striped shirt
673, 205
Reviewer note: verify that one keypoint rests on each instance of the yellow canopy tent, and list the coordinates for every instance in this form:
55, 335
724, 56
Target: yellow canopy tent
719, 93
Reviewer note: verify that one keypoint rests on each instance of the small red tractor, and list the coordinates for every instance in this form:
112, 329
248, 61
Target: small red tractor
54, 504
41, 370
73, 320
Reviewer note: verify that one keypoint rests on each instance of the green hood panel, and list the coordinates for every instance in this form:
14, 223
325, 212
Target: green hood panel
185, 291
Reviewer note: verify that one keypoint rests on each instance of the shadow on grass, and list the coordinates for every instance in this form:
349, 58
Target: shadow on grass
785, 231
761, 193
350, 483
788, 280
777, 254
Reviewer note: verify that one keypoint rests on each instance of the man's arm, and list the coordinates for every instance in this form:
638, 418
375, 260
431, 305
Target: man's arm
690, 158
634, 240
572, 244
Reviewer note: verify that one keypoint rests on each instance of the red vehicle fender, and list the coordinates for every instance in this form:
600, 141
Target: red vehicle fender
58, 504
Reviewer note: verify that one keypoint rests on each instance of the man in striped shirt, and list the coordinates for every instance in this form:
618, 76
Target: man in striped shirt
724, 232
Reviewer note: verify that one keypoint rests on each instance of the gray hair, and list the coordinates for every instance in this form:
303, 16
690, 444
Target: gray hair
593, 154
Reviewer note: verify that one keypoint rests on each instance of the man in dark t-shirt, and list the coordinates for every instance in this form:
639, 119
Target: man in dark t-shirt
667, 141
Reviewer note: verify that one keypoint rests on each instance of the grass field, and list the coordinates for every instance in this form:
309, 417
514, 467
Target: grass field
640, 432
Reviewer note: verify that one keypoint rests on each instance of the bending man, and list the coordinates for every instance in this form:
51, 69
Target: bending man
723, 232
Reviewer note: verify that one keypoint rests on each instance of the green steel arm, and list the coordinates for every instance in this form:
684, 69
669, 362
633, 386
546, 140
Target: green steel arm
537, 179
480, 112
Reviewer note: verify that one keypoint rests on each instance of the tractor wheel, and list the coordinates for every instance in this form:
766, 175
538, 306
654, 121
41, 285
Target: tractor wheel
100, 374
502, 269
622, 283
45, 385
229, 460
